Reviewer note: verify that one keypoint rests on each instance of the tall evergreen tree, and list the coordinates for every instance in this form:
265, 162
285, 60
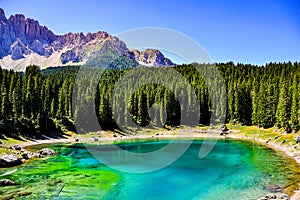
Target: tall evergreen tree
295, 108
284, 103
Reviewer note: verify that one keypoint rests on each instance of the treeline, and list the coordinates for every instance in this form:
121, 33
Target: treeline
36, 101
57, 99
264, 96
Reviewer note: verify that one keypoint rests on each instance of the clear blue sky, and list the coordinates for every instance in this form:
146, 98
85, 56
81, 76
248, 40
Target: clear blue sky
247, 31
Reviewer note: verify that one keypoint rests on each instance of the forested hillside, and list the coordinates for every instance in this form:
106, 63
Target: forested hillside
41, 101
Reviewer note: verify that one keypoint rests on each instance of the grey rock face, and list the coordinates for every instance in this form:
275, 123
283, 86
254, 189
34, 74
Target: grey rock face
2, 13
151, 57
70, 56
37, 47
21, 36
18, 50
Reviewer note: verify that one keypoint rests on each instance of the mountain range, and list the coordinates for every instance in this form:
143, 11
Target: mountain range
23, 41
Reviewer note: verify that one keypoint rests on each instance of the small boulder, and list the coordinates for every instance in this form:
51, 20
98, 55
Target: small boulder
7, 182
288, 130
297, 139
10, 160
46, 152
275, 196
32, 154
223, 133
25, 156
40, 156
17, 147
223, 127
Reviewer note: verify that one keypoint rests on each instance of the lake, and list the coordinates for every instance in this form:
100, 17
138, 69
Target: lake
234, 169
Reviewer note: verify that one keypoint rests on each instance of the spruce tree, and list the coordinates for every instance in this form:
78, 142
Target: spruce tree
283, 108
295, 103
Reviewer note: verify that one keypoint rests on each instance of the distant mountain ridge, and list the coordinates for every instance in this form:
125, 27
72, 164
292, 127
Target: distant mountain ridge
23, 41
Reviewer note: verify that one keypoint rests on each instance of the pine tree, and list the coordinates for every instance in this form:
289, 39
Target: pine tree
295, 122
283, 108
255, 101
142, 109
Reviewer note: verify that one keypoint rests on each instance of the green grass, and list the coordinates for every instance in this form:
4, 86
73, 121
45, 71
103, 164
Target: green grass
264, 134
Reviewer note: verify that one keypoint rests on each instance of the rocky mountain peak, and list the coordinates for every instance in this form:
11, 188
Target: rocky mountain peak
20, 36
24, 41
2, 13
151, 57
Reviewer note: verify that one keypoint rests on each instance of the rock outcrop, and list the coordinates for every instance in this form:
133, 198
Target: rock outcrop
20, 36
275, 196
7, 182
16, 147
24, 41
10, 160
46, 152
223, 128
151, 57
297, 139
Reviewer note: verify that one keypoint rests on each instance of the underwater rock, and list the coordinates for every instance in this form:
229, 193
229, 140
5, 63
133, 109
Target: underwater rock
274, 188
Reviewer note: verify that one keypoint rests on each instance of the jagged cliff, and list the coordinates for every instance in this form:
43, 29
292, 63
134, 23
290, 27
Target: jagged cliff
24, 41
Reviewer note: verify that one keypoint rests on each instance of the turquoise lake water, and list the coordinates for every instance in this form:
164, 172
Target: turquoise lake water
232, 170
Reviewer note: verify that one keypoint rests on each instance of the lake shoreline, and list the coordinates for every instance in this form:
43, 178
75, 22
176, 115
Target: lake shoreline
107, 138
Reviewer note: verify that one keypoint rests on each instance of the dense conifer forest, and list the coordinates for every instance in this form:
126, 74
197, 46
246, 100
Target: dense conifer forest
36, 101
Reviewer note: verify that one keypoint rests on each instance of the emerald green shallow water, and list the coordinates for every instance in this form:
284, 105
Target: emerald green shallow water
232, 170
